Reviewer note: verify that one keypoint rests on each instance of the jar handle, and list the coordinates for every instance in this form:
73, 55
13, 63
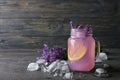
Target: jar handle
98, 49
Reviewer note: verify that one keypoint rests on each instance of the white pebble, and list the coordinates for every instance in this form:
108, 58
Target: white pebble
33, 67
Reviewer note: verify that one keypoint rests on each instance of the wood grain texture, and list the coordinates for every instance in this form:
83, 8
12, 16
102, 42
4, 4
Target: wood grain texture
31, 23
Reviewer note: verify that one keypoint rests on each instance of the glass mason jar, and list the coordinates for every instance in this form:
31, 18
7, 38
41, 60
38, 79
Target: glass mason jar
81, 50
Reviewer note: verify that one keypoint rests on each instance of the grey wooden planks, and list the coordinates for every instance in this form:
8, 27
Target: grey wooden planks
31, 23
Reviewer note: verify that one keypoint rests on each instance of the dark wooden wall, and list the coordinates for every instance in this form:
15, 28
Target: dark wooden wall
31, 23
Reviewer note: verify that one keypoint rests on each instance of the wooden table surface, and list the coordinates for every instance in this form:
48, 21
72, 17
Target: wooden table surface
13, 64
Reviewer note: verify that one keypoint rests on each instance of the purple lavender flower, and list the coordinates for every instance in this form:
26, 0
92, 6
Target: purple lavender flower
37, 58
71, 24
52, 54
88, 30
79, 27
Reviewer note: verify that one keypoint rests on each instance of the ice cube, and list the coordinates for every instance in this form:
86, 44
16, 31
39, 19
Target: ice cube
61, 74
57, 67
100, 72
56, 74
65, 69
64, 62
44, 68
106, 65
78, 76
103, 56
40, 61
68, 76
52, 66
98, 60
46, 64
33, 67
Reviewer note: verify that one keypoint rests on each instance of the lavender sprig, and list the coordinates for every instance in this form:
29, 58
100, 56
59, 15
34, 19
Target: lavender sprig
71, 24
79, 27
87, 28
52, 54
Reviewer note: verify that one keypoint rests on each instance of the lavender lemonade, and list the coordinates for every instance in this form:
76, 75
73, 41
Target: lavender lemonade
81, 48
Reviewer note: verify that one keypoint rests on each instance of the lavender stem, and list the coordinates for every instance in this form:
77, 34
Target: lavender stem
79, 27
71, 24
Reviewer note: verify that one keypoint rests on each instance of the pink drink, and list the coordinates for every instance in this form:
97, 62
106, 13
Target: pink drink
81, 50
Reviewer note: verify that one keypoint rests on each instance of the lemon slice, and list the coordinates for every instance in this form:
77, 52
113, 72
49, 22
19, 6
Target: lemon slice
76, 51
